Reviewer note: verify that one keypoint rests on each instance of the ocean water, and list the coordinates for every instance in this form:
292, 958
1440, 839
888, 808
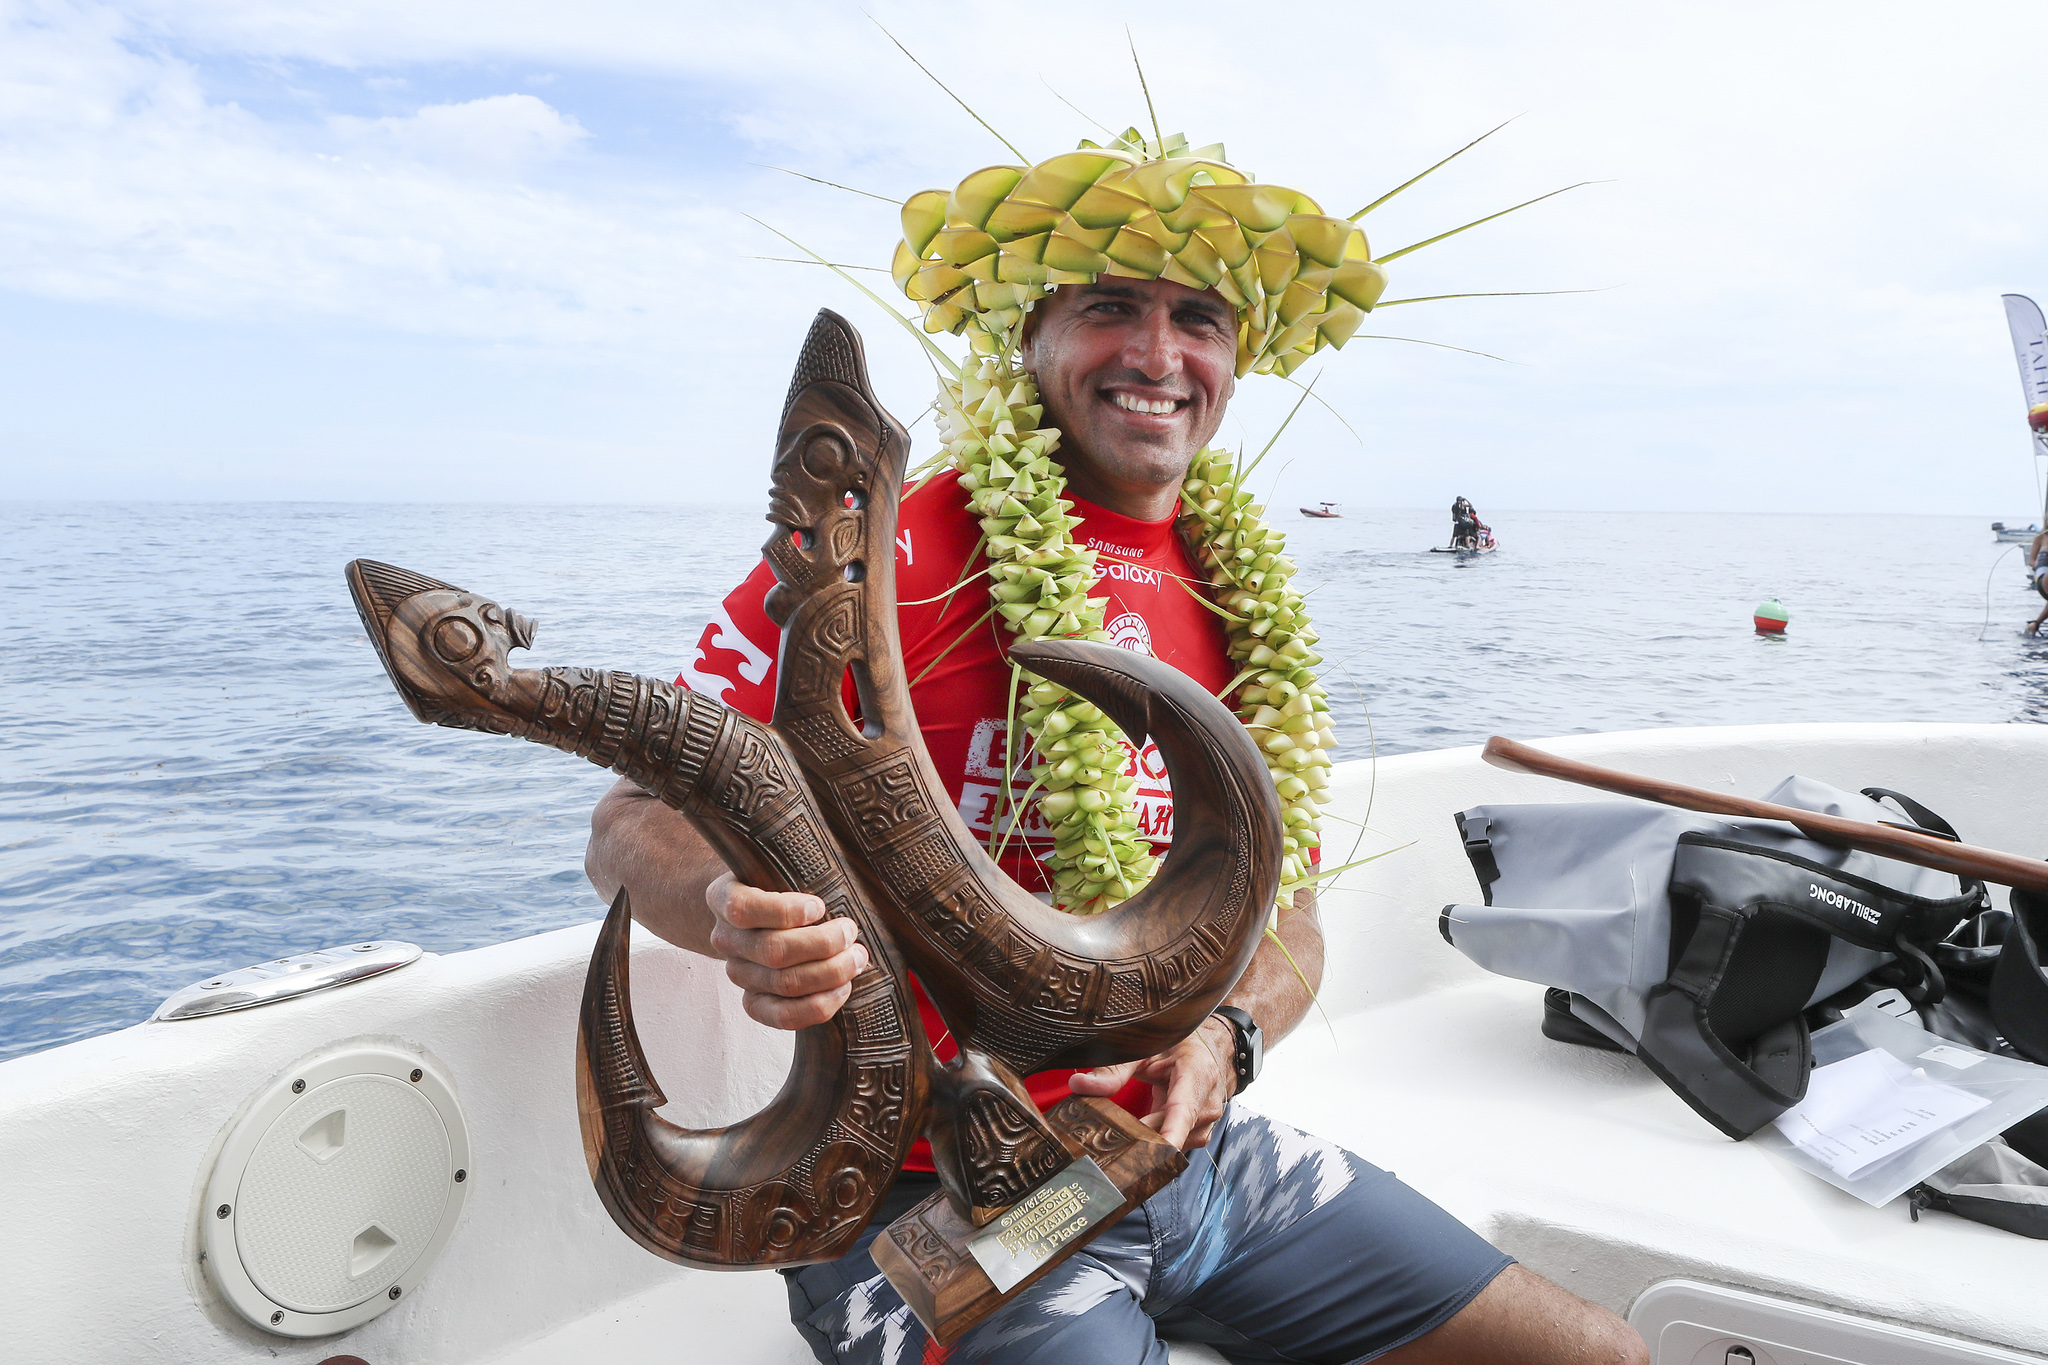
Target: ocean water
204, 766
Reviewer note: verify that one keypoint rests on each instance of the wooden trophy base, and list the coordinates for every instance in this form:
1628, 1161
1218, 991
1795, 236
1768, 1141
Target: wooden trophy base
953, 1274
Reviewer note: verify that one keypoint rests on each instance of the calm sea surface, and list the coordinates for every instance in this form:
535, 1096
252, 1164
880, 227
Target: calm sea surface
204, 767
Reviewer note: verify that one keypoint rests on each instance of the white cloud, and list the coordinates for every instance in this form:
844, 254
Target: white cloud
121, 181
497, 131
1813, 207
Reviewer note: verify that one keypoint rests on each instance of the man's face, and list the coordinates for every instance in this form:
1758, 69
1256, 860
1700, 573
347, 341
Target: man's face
1135, 374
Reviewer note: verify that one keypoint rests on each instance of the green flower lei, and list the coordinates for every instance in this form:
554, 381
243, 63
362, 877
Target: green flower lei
1039, 581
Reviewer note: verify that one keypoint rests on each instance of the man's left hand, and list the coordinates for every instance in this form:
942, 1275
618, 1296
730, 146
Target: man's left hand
1191, 1082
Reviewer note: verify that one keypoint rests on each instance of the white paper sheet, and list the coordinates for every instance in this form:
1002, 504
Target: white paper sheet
1865, 1108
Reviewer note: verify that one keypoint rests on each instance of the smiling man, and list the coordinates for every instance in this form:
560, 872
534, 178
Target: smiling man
1274, 1245
1136, 374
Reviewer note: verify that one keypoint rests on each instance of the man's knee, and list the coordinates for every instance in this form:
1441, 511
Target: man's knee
1523, 1318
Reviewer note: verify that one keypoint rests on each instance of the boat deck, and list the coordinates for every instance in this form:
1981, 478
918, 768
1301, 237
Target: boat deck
1582, 1165
1578, 1162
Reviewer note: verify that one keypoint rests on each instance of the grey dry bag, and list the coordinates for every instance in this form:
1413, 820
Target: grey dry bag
1698, 942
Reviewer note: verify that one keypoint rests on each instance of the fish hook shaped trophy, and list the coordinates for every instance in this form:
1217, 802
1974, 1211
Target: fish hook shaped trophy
852, 811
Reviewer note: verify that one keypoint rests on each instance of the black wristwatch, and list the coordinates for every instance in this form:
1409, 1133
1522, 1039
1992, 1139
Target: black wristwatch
1251, 1044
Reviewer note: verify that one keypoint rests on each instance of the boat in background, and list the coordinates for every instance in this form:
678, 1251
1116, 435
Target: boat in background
2013, 534
1329, 510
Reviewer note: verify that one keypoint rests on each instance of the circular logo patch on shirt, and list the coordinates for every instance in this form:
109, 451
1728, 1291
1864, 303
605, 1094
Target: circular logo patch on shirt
1129, 631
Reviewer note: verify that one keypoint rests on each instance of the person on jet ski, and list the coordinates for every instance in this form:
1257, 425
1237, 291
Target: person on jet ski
1468, 532
2037, 572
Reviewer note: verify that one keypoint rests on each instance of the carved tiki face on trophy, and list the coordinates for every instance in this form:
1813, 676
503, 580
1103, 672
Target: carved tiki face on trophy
851, 810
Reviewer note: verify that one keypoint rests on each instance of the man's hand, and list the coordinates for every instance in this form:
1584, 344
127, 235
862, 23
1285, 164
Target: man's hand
796, 966
1191, 1081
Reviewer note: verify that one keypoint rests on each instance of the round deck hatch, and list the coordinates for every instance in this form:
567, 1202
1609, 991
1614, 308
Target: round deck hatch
335, 1189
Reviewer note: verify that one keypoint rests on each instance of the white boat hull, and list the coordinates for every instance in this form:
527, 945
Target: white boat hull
1579, 1163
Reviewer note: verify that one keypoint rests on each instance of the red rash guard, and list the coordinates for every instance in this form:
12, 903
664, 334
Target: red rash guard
962, 702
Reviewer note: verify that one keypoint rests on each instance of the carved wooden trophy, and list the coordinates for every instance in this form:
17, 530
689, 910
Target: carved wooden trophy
852, 811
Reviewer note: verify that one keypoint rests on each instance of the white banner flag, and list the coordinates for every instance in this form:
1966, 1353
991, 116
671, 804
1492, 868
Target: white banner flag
2030, 348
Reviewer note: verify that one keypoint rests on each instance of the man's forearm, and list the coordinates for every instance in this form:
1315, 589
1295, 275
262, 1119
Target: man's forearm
1194, 1079
1272, 990
657, 855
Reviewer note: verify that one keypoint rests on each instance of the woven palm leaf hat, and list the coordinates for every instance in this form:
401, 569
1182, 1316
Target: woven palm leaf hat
974, 259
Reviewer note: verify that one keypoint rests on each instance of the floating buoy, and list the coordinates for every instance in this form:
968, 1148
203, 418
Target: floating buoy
1770, 617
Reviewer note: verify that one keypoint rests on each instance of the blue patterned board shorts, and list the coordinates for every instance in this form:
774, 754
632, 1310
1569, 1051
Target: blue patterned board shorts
1273, 1246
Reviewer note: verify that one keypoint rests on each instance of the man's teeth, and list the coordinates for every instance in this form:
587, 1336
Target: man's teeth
1130, 403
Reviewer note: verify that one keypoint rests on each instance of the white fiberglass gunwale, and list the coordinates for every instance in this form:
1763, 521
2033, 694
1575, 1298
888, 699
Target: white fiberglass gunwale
1579, 1163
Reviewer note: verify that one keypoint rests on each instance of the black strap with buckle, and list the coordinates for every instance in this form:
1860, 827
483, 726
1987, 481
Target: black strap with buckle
1250, 1053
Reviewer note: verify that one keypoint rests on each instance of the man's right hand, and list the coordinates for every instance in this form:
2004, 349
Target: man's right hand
796, 966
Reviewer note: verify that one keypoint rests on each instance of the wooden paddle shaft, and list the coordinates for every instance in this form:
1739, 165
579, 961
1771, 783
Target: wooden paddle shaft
1965, 860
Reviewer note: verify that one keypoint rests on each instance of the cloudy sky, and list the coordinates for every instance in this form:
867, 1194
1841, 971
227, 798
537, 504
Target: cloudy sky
500, 251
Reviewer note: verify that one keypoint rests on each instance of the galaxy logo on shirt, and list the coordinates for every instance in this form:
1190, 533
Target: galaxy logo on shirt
1116, 571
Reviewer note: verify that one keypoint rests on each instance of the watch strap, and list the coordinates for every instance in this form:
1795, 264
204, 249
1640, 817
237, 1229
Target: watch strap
1249, 1053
